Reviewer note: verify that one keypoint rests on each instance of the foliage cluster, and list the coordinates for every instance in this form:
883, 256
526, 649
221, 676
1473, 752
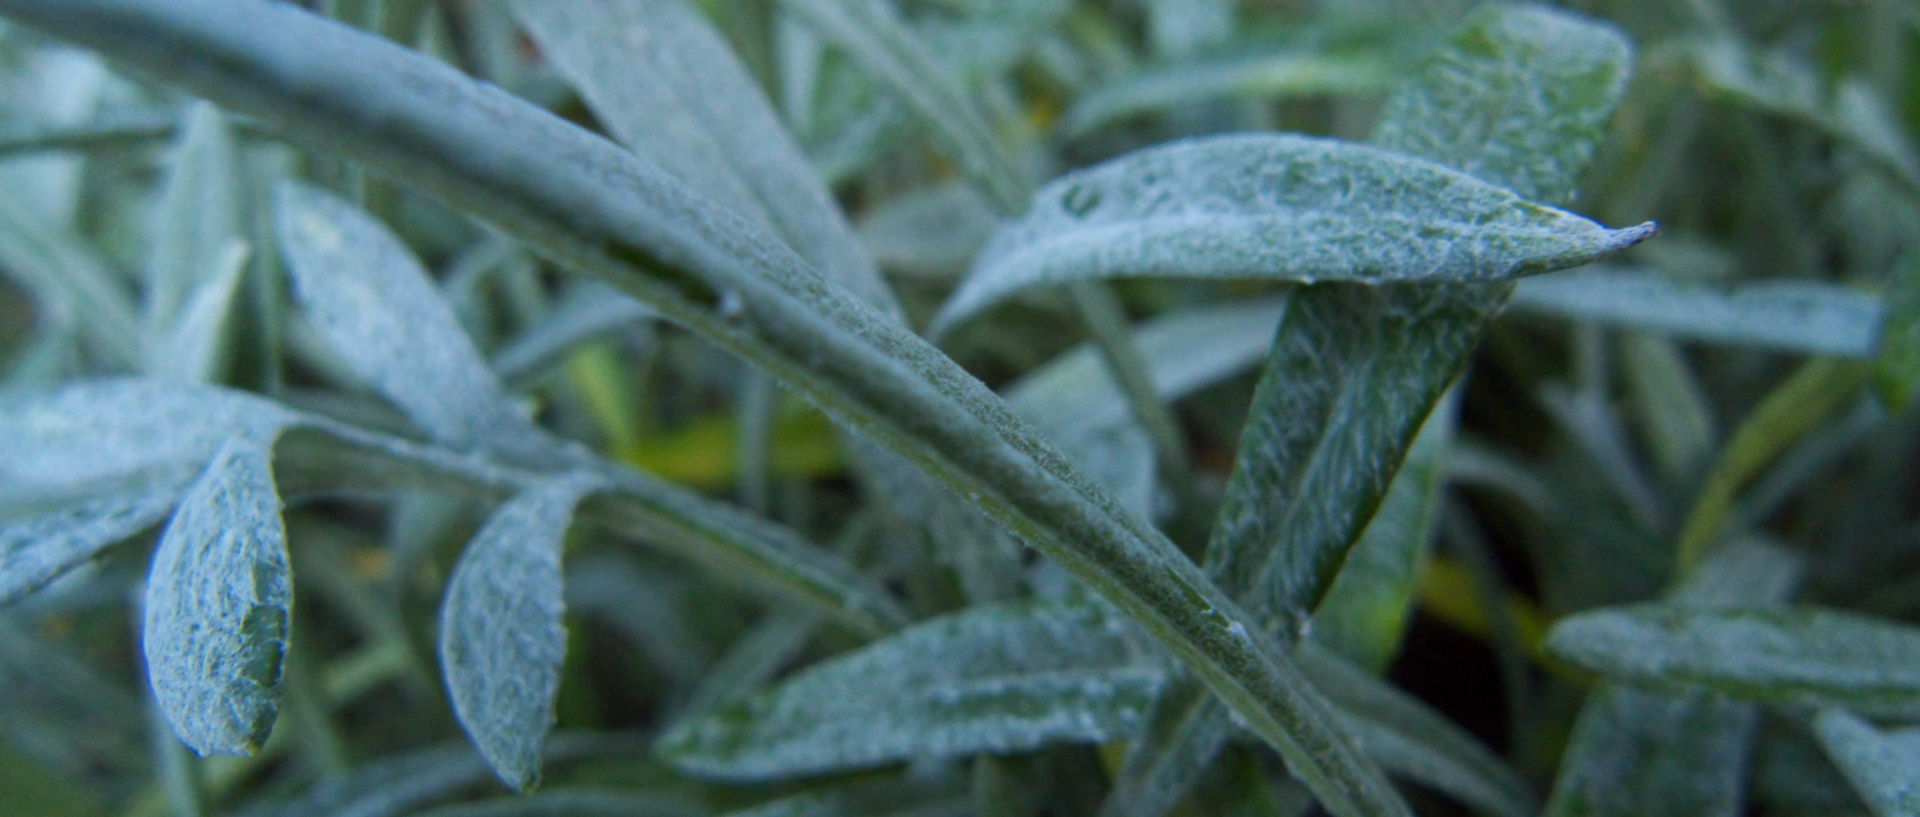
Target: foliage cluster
945, 407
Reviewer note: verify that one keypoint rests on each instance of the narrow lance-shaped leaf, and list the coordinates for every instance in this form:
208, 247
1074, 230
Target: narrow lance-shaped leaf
873, 35
601, 211
1884, 769
217, 605
1280, 207
1296, 71
107, 432
1010, 677
1793, 316
501, 638
990, 679
664, 81
380, 312
39, 546
1365, 612
1481, 102
196, 216
1799, 656
191, 351
1639, 752
1074, 400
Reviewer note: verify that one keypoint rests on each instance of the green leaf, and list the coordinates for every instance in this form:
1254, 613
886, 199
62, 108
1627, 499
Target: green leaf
1791, 316
1640, 752
1520, 96
191, 351
1508, 73
1635, 752
932, 232
991, 679
1267, 75
217, 604
41, 545
1884, 769
664, 81
1790, 411
1408, 737
1672, 405
1896, 364
400, 784
1365, 612
1279, 207
381, 313
1074, 400
1350, 376
1010, 677
106, 433
1779, 83
1803, 656
598, 211
875, 37
501, 638
69, 280
196, 217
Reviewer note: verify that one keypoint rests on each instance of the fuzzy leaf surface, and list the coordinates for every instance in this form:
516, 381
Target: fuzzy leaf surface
993, 679
1338, 406
1801, 656
195, 218
1883, 768
41, 545
666, 83
378, 309
103, 432
1280, 207
1793, 316
218, 599
501, 637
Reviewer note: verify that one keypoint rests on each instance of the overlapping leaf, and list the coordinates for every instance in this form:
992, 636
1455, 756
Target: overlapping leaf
501, 638
1883, 768
217, 605
1279, 207
380, 312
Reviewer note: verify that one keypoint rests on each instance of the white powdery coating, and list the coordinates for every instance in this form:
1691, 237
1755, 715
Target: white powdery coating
1798, 656
218, 598
1001, 678
104, 431
38, 548
1884, 769
381, 314
666, 83
1801, 316
1278, 207
501, 637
